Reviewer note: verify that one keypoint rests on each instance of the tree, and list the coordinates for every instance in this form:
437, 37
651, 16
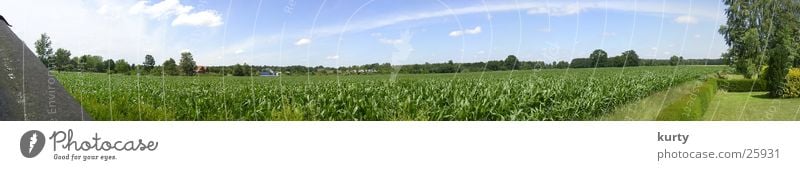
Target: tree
675, 60
598, 58
43, 49
170, 68
75, 64
61, 59
149, 62
727, 58
758, 31
92, 63
109, 65
582, 63
122, 66
630, 58
562, 64
187, 64
238, 70
511, 62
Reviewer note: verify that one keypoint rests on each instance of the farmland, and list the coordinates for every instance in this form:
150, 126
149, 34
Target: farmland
550, 94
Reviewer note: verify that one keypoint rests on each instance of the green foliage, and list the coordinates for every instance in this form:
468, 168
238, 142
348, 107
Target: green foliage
582, 63
187, 64
511, 62
170, 68
691, 106
598, 58
775, 76
562, 64
109, 65
61, 60
796, 62
519, 95
675, 60
239, 70
91, 63
149, 62
743, 85
43, 49
630, 58
792, 88
759, 31
122, 66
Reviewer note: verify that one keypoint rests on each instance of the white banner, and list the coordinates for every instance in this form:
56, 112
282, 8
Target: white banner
399, 145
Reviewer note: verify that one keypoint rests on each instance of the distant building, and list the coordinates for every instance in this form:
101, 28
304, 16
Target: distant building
200, 69
269, 73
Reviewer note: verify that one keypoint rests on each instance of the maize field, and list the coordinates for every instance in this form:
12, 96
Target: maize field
552, 94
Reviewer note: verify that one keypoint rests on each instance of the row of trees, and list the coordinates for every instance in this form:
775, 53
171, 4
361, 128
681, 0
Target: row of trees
599, 58
763, 33
61, 61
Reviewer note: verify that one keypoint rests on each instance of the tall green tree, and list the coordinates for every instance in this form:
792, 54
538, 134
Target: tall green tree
760, 32
675, 60
61, 59
149, 62
238, 70
630, 58
511, 62
122, 67
170, 68
187, 64
43, 49
92, 63
599, 58
109, 66
782, 46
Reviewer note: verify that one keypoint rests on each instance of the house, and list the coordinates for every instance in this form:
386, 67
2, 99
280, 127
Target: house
200, 69
269, 73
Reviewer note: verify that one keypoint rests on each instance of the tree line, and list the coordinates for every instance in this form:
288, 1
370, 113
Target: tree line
61, 61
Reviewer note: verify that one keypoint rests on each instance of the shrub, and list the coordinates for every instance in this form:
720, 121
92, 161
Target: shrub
792, 87
743, 85
691, 106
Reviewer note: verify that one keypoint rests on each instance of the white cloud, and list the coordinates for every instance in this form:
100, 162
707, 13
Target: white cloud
475, 30
302, 41
333, 57
183, 13
161, 9
185, 51
207, 18
686, 19
458, 33
239, 51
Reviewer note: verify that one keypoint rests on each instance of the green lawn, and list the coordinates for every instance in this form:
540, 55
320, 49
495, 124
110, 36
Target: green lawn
733, 106
649, 107
726, 106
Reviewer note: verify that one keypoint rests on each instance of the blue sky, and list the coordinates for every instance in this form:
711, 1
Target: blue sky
348, 32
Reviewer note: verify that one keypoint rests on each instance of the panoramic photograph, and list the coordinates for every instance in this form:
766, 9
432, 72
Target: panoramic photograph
416, 60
